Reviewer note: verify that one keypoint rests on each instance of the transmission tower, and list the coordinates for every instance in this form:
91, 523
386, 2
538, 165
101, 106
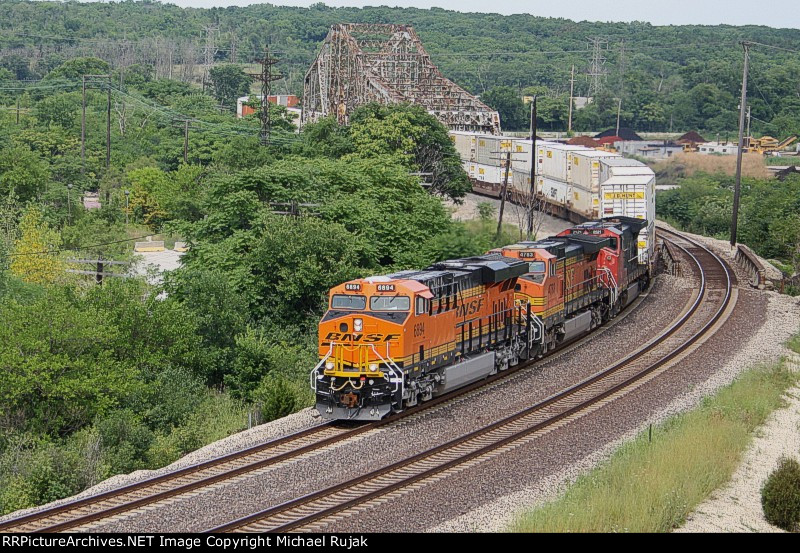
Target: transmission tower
266, 76
597, 70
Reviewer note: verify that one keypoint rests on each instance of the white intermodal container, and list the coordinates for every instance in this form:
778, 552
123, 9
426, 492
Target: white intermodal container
470, 167
620, 166
521, 155
521, 183
586, 166
554, 191
632, 196
465, 144
491, 174
584, 201
555, 160
491, 150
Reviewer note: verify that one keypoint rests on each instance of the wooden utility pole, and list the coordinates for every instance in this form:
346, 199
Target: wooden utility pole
742, 109
186, 124
186, 141
108, 125
503, 193
17, 111
89, 80
83, 127
532, 196
571, 98
748, 120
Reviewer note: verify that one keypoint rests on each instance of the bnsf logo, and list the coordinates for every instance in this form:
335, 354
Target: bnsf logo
385, 287
470, 308
366, 338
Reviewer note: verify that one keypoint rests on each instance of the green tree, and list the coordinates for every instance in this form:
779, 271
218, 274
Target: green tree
32, 259
230, 82
508, 103
23, 173
75, 68
415, 138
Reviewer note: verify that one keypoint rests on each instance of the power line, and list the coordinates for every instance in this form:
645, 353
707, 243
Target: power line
59, 250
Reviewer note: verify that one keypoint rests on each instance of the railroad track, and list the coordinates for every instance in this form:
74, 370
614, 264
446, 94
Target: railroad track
314, 511
193, 479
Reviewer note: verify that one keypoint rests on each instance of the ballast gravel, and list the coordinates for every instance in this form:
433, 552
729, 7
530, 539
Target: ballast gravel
415, 434
486, 496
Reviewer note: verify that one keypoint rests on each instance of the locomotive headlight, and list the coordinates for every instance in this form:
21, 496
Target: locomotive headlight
329, 365
358, 325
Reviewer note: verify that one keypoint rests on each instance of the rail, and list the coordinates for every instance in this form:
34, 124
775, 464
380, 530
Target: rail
375, 486
138, 495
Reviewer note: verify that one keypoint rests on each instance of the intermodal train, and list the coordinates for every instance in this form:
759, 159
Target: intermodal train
389, 342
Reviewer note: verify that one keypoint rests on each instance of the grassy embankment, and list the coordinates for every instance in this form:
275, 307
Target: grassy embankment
652, 486
783, 160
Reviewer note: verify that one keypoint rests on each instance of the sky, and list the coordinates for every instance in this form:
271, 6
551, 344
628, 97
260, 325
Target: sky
775, 13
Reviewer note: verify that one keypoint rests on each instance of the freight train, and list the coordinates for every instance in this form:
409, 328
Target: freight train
389, 342
573, 182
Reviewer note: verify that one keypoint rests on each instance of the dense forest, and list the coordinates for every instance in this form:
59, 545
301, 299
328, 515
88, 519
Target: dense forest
669, 78
131, 374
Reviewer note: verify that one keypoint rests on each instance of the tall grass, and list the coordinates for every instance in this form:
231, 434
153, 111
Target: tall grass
774, 160
688, 164
652, 486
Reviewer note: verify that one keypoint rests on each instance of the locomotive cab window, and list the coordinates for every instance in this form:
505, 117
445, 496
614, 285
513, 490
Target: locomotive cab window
340, 301
389, 303
536, 266
552, 268
422, 306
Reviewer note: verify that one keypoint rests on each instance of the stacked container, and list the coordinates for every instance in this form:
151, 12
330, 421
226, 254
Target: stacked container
585, 180
491, 150
465, 144
592, 183
628, 189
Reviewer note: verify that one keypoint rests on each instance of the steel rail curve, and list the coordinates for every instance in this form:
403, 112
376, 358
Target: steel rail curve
114, 502
319, 505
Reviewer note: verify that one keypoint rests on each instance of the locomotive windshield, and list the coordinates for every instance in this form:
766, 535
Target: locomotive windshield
536, 267
389, 303
340, 301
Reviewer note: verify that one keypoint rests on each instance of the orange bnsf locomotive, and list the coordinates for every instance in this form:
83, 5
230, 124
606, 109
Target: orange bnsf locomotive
389, 342
582, 277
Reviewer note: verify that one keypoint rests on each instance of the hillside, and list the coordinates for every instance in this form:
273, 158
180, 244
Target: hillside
672, 77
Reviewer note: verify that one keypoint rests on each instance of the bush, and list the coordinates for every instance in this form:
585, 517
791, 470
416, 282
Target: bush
277, 397
780, 496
